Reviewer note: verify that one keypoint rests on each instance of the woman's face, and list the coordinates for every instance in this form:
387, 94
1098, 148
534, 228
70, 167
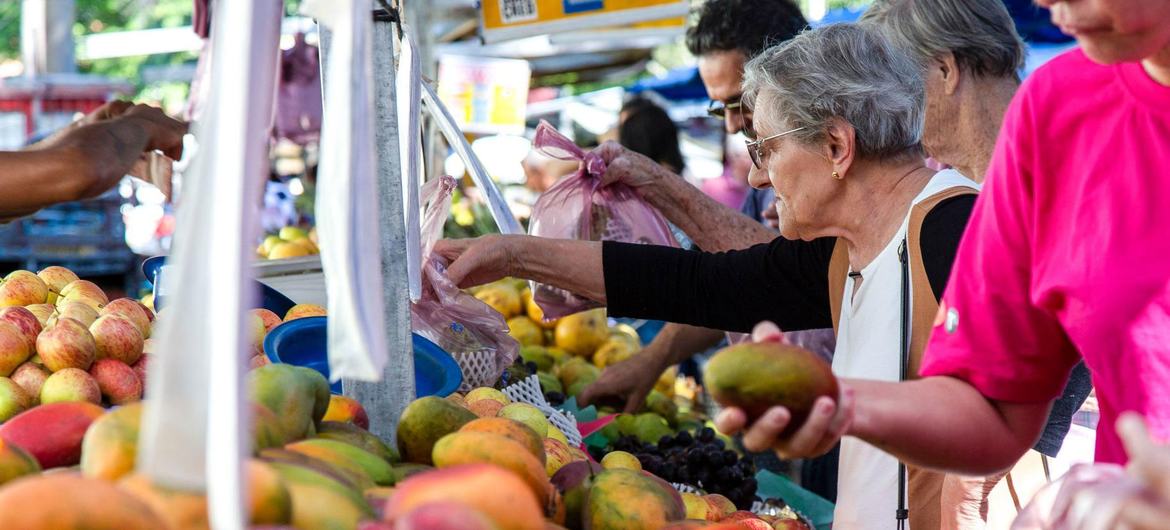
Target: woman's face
1113, 31
800, 174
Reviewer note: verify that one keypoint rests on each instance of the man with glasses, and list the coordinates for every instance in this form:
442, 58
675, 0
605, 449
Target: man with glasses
725, 36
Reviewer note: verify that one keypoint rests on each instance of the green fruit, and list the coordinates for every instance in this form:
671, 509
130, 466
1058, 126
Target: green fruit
756, 377
423, 422
320, 502
297, 396
625, 424
658, 403
539, 355
344, 455
549, 383
290, 233
358, 437
649, 427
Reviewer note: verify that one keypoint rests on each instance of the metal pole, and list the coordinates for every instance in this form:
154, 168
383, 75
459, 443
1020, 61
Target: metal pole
384, 400
46, 35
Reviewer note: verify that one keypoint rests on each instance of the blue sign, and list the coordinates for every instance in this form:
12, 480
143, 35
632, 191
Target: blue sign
581, 6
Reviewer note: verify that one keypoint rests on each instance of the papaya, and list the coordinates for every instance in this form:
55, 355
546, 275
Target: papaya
298, 396
321, 503
180, 509
347, 476
423, 422
757, 376
346, 456
516, 431
67, 500
110, 446
358, 437
631, 500
489, 448
492, 490
15, 463
268, 495
52, 433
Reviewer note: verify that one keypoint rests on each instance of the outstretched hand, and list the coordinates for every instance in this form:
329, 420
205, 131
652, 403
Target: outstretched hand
826, 424
475, 261
1149, 462
627, 167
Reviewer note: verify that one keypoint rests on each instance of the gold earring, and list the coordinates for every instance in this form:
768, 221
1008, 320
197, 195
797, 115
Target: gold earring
836, 175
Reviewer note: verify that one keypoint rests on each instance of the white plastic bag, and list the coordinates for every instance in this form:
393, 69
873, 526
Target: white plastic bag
347, 195
408, 82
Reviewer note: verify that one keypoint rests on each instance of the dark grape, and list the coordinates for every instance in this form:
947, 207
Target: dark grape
707, 434
718, 443
729, 458
684, 438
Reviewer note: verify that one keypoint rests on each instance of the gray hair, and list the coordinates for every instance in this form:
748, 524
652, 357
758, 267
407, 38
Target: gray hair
844, 71
980, 33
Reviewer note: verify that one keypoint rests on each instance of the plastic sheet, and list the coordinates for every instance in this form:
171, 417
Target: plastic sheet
578, 207
1088, 497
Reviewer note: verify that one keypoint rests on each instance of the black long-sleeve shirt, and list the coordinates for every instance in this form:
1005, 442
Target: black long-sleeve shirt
785, 281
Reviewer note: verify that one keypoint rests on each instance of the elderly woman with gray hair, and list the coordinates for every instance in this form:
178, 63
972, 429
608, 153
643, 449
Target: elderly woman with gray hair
838, 117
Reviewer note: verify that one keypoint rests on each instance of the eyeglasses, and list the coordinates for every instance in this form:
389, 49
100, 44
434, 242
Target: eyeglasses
756, 147
718, 109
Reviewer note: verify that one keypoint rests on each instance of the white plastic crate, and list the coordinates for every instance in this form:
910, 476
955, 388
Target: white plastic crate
528, 391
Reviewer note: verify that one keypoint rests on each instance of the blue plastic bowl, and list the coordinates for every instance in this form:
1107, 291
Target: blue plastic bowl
303, 342
270, 298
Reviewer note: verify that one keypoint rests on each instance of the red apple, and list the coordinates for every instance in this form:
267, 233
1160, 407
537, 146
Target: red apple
71, 384
79, 311
56, 278
117, 381
148, 309
66, 343
30, 376
270, 319
258, 331
13, 400
117, 338
83, 291
131, 310
22, 288
24, 319
13, 348
140, 369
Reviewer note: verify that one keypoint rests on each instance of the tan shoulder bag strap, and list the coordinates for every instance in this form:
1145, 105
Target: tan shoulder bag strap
838, 271
924, 304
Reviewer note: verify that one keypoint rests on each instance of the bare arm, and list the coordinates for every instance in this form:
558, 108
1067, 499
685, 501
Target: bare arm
84, 162
575, 266
713, 226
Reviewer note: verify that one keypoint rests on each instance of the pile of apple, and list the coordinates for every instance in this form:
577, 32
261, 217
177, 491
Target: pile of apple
62, 339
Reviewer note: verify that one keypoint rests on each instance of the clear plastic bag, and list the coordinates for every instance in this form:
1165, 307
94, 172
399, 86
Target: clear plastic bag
459, 323
578, 207
1088, 497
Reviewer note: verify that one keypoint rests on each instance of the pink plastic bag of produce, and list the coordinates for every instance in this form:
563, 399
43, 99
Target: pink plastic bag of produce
578, 207
1088, 497
471, 331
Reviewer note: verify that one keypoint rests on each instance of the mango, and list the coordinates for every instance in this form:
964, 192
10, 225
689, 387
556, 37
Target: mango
720, 506
52, 433
697, 507
525, 331
267, 430
756, 377
66, 500
486, 392
573, 481
268, 495
621, 460
582, 333
556, 434
512, 429
345, 409
492, 490
358, 437
347, 476
557, 455
488, 448
444, 515
110, 446
423, 422
15, 463
577, 370
405, 471
346, 456
528, 415
180, 509
298, 396
658, 403
631, 500
503, 298
320, 502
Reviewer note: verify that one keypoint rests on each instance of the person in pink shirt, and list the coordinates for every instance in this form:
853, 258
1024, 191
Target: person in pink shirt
1065, 258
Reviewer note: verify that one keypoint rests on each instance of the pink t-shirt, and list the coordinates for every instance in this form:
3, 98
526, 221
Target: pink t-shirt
1067, 254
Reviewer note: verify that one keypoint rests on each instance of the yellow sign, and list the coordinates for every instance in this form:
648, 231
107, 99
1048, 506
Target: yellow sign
485, 95
512, 19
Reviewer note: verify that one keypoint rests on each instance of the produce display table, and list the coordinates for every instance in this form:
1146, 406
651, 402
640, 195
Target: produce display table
301, 279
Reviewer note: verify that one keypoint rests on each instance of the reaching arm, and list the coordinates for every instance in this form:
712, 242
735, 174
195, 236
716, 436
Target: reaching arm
713, 226
85, 161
